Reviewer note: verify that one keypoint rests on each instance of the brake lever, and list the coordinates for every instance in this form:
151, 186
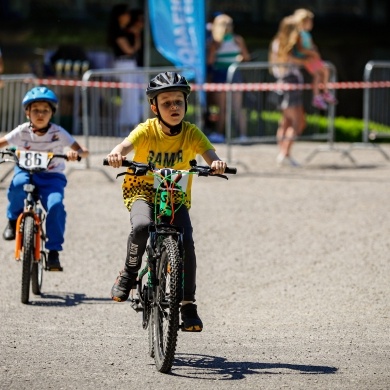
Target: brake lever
222, 176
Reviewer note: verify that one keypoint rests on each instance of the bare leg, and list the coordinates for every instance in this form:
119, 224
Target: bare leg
239, 114
291, 126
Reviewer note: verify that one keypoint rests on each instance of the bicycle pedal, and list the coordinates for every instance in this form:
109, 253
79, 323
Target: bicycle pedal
136, 305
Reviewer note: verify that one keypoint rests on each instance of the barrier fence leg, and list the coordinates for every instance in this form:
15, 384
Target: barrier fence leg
364, 145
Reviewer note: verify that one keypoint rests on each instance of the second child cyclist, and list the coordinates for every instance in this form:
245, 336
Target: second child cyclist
40, 135
167, 141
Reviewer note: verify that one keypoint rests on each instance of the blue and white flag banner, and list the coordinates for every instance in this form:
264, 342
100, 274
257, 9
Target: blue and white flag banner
178, 30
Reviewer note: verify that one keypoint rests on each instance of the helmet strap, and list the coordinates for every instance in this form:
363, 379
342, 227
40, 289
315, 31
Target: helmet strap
42, 130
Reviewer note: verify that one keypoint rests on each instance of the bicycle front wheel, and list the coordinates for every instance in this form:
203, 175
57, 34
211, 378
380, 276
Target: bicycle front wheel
165, 312
37, 274
27, 256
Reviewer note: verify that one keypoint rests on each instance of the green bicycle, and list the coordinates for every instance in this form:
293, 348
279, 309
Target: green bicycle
159, 288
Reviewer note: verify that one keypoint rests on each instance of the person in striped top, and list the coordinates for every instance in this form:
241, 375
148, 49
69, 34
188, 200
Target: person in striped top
226, 48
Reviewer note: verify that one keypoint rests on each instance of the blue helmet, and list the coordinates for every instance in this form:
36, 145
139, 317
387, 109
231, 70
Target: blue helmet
40, 94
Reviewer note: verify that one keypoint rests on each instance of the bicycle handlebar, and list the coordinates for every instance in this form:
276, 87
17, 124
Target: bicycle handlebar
12, 152
140, 169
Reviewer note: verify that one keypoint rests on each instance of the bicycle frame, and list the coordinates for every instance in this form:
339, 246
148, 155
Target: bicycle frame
159, 229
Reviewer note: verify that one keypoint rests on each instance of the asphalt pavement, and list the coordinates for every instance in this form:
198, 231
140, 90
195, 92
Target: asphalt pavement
293, 282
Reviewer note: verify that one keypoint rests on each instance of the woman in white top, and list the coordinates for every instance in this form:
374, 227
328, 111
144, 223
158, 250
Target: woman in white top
286, 70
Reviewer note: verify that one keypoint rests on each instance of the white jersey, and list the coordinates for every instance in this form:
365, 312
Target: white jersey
54, 140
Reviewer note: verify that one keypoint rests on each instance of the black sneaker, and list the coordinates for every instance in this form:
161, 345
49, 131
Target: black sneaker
124, 282
10, 230
53, 261
190, 318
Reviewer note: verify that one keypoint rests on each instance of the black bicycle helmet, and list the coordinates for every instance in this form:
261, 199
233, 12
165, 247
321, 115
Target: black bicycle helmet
167, 81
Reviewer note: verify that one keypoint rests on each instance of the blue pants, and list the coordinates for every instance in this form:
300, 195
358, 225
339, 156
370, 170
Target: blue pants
51, 188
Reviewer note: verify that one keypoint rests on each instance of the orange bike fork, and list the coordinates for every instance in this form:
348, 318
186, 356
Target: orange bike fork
19, 237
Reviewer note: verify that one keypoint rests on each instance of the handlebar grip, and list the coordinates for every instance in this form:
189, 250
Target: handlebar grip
125, 163
231, 171
65, 157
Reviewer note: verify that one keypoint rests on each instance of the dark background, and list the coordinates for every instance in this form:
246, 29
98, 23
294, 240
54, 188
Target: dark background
348, 33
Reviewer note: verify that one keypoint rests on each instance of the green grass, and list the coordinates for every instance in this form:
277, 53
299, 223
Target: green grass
345, 129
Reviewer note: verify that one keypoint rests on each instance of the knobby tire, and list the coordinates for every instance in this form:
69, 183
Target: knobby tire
165, 312
151, 336
27, 256
37, 275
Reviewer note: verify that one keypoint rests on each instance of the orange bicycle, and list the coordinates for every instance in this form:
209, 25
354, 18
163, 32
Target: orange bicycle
30, 227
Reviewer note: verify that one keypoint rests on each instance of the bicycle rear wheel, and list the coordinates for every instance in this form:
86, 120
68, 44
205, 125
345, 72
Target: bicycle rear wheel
165, 312
27, 256
151, 337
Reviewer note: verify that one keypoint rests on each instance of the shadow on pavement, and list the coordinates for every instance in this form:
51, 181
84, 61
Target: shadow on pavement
218, 368
67, 299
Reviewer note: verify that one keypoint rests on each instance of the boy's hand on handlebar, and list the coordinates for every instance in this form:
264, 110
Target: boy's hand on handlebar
218, 167
115, 159
72, 155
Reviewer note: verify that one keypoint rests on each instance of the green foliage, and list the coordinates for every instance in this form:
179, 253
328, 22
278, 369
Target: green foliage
346, 129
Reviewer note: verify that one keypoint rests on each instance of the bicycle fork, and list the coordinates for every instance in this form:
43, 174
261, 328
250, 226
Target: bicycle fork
29, 210
19, 235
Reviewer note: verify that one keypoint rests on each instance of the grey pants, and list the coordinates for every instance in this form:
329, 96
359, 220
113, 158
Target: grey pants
141, 214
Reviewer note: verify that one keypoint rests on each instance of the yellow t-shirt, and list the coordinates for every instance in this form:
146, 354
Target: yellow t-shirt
151, 144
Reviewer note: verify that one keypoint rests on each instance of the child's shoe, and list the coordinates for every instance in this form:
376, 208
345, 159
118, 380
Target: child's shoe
124, 282
329, 98
319, 102
190, 318
10, 230
53, 261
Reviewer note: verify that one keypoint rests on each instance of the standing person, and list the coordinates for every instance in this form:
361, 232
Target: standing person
136, 29
40, 135
293, 119
179, 141
125, 45
1, 63
306, 49
225, 49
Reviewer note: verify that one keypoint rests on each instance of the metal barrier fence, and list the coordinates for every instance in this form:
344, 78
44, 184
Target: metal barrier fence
258, 86
376, 115
90, 107
12, 91
102, 101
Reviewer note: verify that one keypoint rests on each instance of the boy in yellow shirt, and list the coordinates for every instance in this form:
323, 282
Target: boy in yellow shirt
167, 141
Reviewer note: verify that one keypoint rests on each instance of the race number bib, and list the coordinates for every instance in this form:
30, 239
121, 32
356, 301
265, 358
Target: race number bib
176, 180
33, 160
